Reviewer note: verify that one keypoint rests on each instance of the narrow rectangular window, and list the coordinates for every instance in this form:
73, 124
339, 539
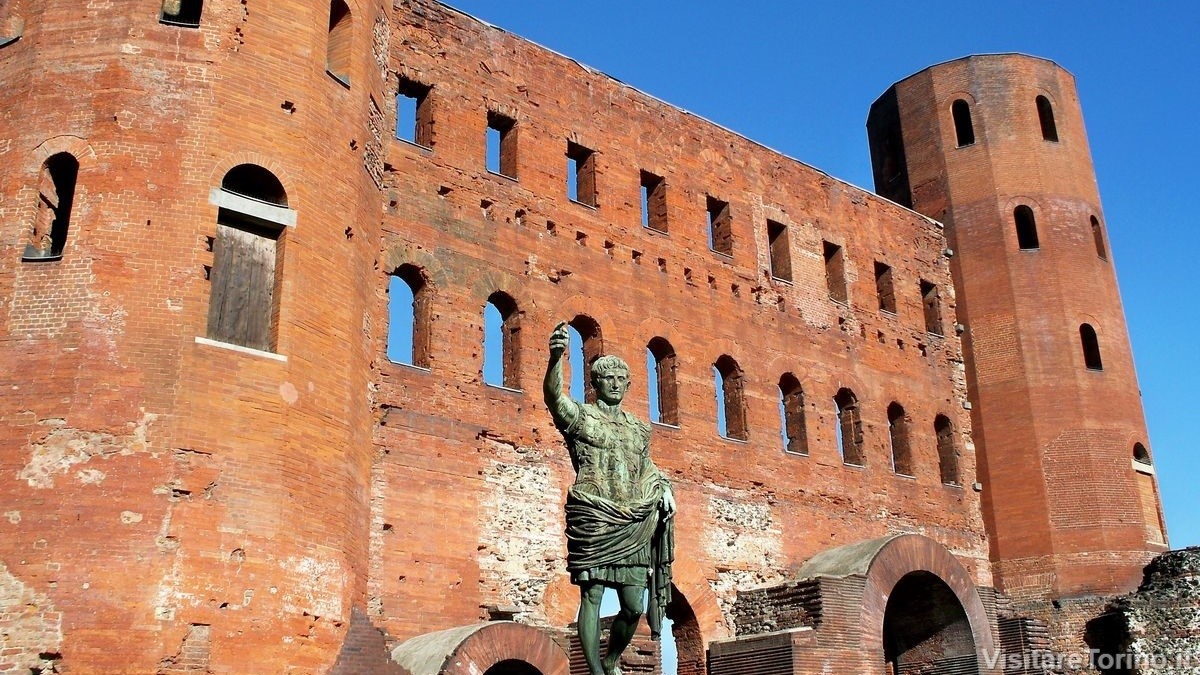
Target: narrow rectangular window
780, 249
933, 308
884, 288
581, 174
1098, 238
338, 48
414, 115
243, 305
654, 202
502, 145
720, 226
835, 271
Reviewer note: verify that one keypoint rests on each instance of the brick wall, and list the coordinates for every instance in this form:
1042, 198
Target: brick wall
451, 448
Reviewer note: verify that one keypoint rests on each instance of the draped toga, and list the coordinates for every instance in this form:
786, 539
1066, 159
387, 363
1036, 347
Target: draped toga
614, 533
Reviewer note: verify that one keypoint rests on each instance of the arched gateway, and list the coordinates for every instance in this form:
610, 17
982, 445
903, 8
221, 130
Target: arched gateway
497, 648
889, 606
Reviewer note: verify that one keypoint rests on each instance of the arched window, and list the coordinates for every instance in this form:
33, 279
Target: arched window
501, 341
791, 415
664, 395
1091, 347
1046, 117
185, 13
964, 130
586, 346
247, 250
947, 453
1098, 238
338, 47
255, 182
408, 317
731, 408
898, 435
1027, 236
849, 427
1147, 495
56, 197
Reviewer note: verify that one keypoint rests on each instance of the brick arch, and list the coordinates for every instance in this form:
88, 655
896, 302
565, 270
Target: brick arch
900, 555
491, 281
1033, 202
577, 305
280, 172
435, 272
656, 327
690, 580
953, 96
76, 146
847, 380
471, 650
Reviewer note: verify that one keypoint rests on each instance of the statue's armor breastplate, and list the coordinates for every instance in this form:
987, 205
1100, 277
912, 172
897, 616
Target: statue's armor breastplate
609, 453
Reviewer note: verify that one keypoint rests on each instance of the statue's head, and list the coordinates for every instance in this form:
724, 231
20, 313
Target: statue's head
610, 378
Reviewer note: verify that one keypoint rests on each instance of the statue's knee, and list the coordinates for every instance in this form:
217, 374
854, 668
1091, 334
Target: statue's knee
594, 594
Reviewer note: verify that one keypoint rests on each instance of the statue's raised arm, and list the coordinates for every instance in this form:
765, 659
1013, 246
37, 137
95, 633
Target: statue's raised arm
562, 408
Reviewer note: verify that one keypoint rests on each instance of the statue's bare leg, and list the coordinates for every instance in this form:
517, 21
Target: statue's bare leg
624, 623
590, 596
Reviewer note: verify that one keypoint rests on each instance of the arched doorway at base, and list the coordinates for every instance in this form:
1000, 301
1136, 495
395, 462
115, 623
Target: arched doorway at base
926, 629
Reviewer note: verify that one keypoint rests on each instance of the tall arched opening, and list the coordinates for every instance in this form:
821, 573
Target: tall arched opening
688, 641
926, 629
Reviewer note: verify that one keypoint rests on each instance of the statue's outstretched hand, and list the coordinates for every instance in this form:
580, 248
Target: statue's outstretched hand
560, 339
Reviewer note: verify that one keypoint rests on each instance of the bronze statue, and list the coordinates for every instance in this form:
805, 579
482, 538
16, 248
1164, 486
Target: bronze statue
620, 532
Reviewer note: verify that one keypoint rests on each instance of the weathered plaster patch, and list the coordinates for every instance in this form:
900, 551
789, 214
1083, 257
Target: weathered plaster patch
742, 541
63, 447
744, 533
91, 476
30, 627
318, 589
521, 541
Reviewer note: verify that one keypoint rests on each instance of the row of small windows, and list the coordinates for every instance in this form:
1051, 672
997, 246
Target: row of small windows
415, 125
964, 128
1027, 232
338, 47
408, 343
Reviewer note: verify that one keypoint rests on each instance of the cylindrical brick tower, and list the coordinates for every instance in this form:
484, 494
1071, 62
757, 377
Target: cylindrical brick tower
994, 146
189, 206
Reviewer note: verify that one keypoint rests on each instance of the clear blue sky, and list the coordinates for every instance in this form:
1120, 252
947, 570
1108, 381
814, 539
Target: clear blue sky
799, 77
